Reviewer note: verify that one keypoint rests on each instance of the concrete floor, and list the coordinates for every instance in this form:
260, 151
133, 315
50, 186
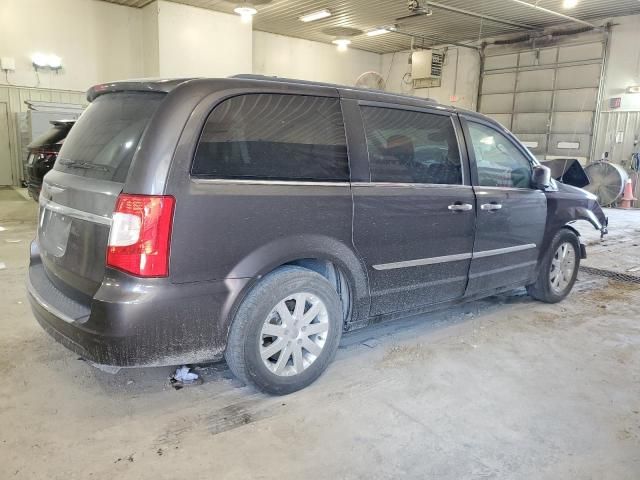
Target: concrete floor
502, 388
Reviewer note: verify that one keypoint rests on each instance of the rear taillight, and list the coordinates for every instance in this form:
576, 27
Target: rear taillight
141, 235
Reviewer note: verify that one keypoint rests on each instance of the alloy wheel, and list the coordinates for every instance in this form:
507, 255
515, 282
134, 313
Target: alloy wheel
563, 265
294, 334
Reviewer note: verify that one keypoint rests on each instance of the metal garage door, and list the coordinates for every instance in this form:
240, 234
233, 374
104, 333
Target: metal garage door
547, 96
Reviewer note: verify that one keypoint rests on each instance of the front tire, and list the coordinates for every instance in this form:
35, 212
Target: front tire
286, 331
559, 268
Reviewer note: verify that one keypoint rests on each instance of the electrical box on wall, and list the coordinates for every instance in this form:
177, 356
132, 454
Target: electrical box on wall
8, 64
426, 68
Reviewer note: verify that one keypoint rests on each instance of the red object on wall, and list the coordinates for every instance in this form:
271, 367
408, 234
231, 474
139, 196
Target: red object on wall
615, 102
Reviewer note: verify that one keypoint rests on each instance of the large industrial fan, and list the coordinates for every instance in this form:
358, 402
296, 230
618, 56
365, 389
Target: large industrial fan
371, 80
607, 181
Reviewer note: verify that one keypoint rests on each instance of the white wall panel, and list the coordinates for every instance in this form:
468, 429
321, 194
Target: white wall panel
97, 41
498, 83
576, 100
533, 101
581, 76
535, 80
530, 123
501, 61
296, 58
572, 122
497, 103
198, 42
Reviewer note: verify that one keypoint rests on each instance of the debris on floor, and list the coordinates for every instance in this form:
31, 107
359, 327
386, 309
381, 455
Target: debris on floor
110, 369
2, 229
184, 377
2, 266
13, 240
371, 343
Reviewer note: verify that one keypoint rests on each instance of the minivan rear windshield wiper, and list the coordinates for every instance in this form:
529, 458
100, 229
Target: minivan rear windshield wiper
86, 165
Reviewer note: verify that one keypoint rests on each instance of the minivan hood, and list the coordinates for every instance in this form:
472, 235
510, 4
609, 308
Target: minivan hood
563, 187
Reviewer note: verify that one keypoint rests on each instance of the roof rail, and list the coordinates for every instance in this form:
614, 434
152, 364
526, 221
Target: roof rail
268, 78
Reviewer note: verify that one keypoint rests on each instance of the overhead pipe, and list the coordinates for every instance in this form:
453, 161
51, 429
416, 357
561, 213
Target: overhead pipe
533, 37
482, 16
557, 14
434, 39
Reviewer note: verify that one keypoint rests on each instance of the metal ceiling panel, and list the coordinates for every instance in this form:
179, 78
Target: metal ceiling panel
282, 17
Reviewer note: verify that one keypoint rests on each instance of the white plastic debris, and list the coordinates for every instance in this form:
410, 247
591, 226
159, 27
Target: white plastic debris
13, 240
2, 229
184, 374
106, 368
2, 266
184, 377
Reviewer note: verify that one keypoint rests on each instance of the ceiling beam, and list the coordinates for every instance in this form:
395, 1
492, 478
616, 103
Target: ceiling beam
557, 14
481, 16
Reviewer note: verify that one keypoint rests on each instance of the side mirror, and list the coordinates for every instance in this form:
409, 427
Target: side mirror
540, 177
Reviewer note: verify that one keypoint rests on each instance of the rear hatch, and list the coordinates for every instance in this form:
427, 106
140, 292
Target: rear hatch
79, 195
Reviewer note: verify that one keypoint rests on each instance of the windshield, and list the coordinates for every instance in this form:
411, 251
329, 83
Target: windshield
102, 142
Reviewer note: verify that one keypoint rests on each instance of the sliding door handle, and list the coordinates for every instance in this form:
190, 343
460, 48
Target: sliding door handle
491, 206
460, 207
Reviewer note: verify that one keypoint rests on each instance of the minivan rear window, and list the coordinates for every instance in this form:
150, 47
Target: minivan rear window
274, 137
102, 142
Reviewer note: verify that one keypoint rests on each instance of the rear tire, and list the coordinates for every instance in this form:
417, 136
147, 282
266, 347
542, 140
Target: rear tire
286, 331
559, 268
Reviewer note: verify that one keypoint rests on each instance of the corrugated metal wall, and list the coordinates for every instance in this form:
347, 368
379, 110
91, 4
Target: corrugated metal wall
13, 98
617, 132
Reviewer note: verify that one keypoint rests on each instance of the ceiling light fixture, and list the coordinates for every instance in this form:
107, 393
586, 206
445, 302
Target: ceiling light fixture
342, 43
246, 12
377, 31
567, 4
320, 14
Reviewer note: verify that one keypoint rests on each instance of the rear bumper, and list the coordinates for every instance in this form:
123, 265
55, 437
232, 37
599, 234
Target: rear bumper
133, 324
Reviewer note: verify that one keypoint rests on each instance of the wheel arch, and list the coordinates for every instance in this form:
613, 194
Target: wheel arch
327, 256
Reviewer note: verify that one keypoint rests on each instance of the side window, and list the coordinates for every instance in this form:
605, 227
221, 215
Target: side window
499, 162
274, 137
411, 147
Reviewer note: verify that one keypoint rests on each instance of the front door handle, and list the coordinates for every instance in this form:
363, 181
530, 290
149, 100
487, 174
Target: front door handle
491, 206
460, 207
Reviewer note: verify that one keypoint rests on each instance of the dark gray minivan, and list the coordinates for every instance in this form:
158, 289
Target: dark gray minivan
258, 218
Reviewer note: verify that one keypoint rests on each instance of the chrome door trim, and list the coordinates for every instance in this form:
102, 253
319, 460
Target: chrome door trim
240, 181
452, 258
423, 261
412, 185
502, 251
72, 212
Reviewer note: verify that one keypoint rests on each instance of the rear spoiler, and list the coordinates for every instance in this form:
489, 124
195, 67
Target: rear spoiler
141, 85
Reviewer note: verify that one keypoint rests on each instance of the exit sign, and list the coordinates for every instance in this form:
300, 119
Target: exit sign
615, 102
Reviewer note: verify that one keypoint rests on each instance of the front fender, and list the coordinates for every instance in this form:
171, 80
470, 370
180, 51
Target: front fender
567, 205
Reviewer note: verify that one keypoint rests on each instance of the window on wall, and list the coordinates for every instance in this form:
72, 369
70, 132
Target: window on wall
499, 162
269, 136
411, 147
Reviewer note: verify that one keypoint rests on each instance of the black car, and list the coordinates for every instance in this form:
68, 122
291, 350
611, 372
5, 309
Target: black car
257, 219
43, 152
